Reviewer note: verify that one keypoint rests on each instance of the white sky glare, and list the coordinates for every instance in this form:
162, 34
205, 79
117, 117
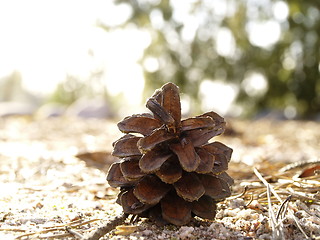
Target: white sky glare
46, 39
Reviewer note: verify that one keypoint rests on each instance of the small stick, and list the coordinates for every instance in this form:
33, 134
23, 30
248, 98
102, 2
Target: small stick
299, 196
299, 164
57, 228
107, 227
74, 233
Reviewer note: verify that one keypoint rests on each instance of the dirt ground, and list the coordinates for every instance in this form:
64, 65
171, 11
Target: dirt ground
53, 186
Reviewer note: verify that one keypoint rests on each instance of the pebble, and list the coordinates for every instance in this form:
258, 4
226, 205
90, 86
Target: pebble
185, 232
90, 108
16, 109
146, 232
237, 203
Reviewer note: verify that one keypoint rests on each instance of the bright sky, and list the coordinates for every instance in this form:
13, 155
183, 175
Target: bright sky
45, 39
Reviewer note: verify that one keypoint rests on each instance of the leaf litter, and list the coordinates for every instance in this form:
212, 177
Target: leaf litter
49, 193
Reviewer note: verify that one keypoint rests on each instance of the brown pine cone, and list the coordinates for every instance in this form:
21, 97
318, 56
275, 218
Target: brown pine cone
169, 171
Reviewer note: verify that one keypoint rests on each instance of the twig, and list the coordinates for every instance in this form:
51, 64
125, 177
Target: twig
12, 230
57, 228
74, 233
299, 164
299, 196
107, 227
55, 236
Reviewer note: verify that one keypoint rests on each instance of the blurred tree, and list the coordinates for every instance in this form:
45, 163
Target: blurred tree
73, 88
268, 49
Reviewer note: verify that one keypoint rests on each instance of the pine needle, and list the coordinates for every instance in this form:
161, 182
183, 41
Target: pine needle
258, 174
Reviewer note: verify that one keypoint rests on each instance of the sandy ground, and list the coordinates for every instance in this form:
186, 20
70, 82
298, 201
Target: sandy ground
46, 190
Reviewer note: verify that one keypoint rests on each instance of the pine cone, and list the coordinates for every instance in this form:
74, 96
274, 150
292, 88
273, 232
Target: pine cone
169, 171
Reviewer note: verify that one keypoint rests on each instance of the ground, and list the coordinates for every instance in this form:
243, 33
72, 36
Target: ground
53, 186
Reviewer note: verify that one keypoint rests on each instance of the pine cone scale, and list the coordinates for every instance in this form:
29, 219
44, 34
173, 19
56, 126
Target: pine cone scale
175, 210
139, 123
159, 112
115, 177
221, 189
206, 161
220, 164
189, 187
153, 160
187, 155
170, 171
131, 204
196, 123
200, 136
171, 102
205, 207
156, 137
126, 147
219, 148
130, 169
150, 190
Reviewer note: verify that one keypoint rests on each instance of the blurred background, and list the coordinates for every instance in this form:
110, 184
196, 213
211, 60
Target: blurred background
103, 58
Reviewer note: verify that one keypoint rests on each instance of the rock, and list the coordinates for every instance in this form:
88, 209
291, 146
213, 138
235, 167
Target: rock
16, 109
90, 108
50, 110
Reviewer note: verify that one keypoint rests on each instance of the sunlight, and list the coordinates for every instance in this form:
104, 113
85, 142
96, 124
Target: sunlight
226, 45
255, 84
280, 10
46, 40
218, 96
264, 34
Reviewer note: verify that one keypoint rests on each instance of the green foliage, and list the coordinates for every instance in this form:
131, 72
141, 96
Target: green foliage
290, 64
73, 88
